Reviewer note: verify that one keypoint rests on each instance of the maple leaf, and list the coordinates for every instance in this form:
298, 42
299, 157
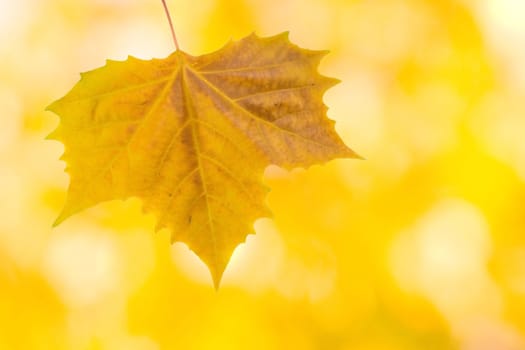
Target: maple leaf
191, 136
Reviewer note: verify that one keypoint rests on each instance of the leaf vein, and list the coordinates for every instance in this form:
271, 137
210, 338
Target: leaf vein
230, 174
254, 116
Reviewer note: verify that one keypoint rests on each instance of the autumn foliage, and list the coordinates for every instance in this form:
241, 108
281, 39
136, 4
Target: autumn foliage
191, 136
420, 246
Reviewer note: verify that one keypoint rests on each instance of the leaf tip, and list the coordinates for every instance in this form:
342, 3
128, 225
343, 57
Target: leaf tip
61, 217
109, 62
216, 276
133, 58
54, 135
281, 36
350, 153
216, 283
51, 107
67, 211
284, 35
358, 156
332, 81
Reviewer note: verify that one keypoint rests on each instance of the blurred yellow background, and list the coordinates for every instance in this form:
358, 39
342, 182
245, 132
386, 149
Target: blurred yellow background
420, 246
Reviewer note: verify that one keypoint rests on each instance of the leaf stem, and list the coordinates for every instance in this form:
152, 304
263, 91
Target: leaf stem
171, 24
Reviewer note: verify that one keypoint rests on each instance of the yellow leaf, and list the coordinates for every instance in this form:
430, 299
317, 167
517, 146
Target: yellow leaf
191, 136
